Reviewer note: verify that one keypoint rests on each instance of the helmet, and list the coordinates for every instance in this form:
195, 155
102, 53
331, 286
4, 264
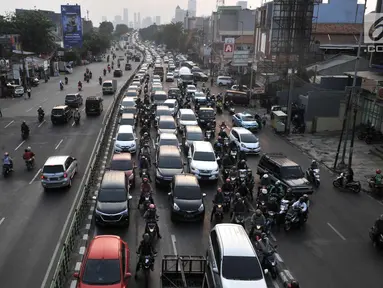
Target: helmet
76, 109
6, 154
277, 183
40, 107
305, 197
239, 199
378, 171
265, 176
243, 184
228, 180
145, 180
29, 148
264, 191
258, 212
219, 190
152, 206
219, 137
243, 161
313, 162
24, 122
146, 134
146, 237
237, 195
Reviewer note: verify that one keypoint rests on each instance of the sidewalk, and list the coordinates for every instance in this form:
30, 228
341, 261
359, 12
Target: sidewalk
322, 147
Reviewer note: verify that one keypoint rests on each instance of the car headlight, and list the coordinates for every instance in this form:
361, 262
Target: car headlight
175, 207
216, 171
201, 208
243, 145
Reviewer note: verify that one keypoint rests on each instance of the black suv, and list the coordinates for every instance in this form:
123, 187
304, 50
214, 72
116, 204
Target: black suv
74, 100
61, 114
206, 115
279, 167
174, 93
93, 105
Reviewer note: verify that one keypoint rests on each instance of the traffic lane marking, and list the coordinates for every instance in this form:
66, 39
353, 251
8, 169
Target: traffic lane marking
336, 231
2, 220
41, 123
10, 123
34, 177
58, 145
19, 145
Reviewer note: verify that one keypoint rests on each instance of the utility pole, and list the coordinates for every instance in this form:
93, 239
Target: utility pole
211, 47
254, 53
290, 102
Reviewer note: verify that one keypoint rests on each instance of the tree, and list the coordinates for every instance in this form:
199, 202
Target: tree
95, 42
121, 29
34, 28
106, 28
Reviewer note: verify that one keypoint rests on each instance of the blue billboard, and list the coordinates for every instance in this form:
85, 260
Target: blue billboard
71, 25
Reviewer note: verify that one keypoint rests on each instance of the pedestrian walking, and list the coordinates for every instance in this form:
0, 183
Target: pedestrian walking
29, 92
211, 81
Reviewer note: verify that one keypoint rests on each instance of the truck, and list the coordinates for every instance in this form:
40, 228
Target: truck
184, 272
109, 87
185, 77
65, 67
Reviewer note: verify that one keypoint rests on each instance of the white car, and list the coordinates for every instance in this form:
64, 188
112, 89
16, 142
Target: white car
176, 73
166, 124
202, 161
172, 104
125, 140
186, 117
167, 139
169, 77
245, 140
191, 89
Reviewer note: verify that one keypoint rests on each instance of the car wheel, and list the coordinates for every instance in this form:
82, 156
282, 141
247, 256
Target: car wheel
220, 84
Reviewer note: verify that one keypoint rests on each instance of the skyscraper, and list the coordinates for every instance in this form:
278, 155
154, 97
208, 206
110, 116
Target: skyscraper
192, 8
117, 19
135, 21
243, 4
138, 20
179, 15
158, 20
126, 16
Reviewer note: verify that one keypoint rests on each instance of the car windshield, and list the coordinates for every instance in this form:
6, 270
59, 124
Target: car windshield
187, 77
158, 96
169, 74
206, 113
131, 94
169, 104
52, 169
127, 122
125, 137
70, 97
164, 112
204, 156
128, 103
166, 162
248, 118
248, 138
292, 172
107, 84
58, 112
157, 88
191, 88
130, 110
168, 142
167, 125
112, 195
121, 165
188, 117
187, 192
102, 272
241, 268
196, 136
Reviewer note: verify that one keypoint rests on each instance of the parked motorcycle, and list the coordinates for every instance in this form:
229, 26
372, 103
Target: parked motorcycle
313, 175
353, 186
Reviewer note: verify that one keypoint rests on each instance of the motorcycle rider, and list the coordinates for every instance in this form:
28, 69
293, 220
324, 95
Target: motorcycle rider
302, 206
349, 176
66, 80
265, 181
145, 151
377, 229
151, 216
257, 219
243, 190
79, 84
239, 207
242, 165
104, 71
29, 155
145, 189
222, 133
7, 161
227, 186
218, 199
76, 114
100, 80
61, 85
314, 165
233, 146
227, 162
24, 128
40, 111
264, 246
218, 144
145, 249
277, 190
263, 195
378, 177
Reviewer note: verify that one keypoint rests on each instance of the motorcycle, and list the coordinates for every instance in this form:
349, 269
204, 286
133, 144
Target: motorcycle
270, 264
24, 134
227, 200
40, 117
258, 230
219, 108
79, 87
292, 219
146, 264
100, 81
239, 219
270, 220
232, 110
144, 173
151, 229
283, 208
313, 175
353, 186
208, 135
6, 170
77, 120
147, 201
30, 164
242, 175
233, 154
218, 215
61, 86
261, 205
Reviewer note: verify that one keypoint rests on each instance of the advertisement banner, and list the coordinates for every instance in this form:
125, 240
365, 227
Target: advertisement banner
72, 25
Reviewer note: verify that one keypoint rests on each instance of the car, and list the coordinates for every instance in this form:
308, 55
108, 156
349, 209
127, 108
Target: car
191, 89
166, 124
224, 81
167, 139
159, 97
135, 87
199, 76
185, 117
174, 93
129, 110
128, 119
176, 73
156, 88
128, 67
93, 105
202, 161
131, 93
199, 97
61, 114
125, 140
105, 263
238, 87
245, 120
245, 140
169, 77
281, 168
156, 78
206, 115
172, 104
117, 73
162, 111
127, 102
191, 134
112, 204
74, 100
168, 164
186, 199
58, 172
124, 162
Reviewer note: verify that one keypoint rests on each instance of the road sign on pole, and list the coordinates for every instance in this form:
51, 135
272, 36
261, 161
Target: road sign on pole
228, 48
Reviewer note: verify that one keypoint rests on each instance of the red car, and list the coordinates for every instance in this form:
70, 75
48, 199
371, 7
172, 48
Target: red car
123, 162
105, 264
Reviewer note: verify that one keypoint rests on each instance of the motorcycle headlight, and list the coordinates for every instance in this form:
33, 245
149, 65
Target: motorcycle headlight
201, 208
175, 207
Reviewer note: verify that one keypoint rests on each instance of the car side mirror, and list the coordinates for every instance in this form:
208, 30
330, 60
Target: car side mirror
215, 270
169, 193
128, 275
76, 275
203, 194
130, 197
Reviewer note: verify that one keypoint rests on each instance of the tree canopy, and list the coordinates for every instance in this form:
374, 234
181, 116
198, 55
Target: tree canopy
95, 42
106, 28
121, 29
34, 28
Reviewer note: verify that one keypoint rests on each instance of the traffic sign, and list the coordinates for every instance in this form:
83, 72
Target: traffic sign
228, 48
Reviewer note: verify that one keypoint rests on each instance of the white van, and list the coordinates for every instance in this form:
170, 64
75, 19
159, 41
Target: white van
232, 260
125, 140
224, 81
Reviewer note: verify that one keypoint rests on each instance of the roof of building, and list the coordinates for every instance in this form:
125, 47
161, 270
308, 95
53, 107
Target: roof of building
331, 62
244, 39
337, 28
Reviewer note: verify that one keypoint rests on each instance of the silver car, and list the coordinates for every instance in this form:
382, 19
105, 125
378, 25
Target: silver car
58, 172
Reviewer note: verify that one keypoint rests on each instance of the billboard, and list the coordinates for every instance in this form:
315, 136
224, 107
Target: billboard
72, 25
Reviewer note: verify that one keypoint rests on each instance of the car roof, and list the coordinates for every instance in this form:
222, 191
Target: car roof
162, 107
168, 136
241, 130
168, 150
72, 94
125, 129
190, 86
185, 180
235, 91
244, 114
159, 92
166, 118
193, 128
170, 101
174, 88
60, 107
203, 146
186, 111
280, 159
234, 240
128, 99
206, 108
56, 160
122, 156
104, 247
127, 116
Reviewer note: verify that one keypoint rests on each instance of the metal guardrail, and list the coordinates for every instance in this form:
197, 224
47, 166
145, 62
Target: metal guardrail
59, 278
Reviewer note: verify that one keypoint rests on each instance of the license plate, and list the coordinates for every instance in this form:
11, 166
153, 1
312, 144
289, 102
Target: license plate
188, 216
53, 179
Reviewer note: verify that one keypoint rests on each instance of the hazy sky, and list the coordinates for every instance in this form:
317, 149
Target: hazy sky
110, 8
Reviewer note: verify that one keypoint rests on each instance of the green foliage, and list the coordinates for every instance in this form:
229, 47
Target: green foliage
34, 28
121, 29
106, 28
95, 42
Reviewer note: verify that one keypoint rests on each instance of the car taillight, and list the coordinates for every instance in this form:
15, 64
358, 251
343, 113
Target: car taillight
65, 175
43, 177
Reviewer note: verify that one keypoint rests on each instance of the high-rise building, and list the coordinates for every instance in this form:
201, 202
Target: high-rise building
158, 20
243, 4
192, 8
117, 19
126, 16
104, 19
135, 21
179, 15
138, 20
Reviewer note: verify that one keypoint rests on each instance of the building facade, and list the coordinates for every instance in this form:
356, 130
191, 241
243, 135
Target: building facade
243, 4
126, 16
179, 15
192, 8
138, 20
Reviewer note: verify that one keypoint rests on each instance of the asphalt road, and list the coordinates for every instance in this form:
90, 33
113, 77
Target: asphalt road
177, 238
30, 219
